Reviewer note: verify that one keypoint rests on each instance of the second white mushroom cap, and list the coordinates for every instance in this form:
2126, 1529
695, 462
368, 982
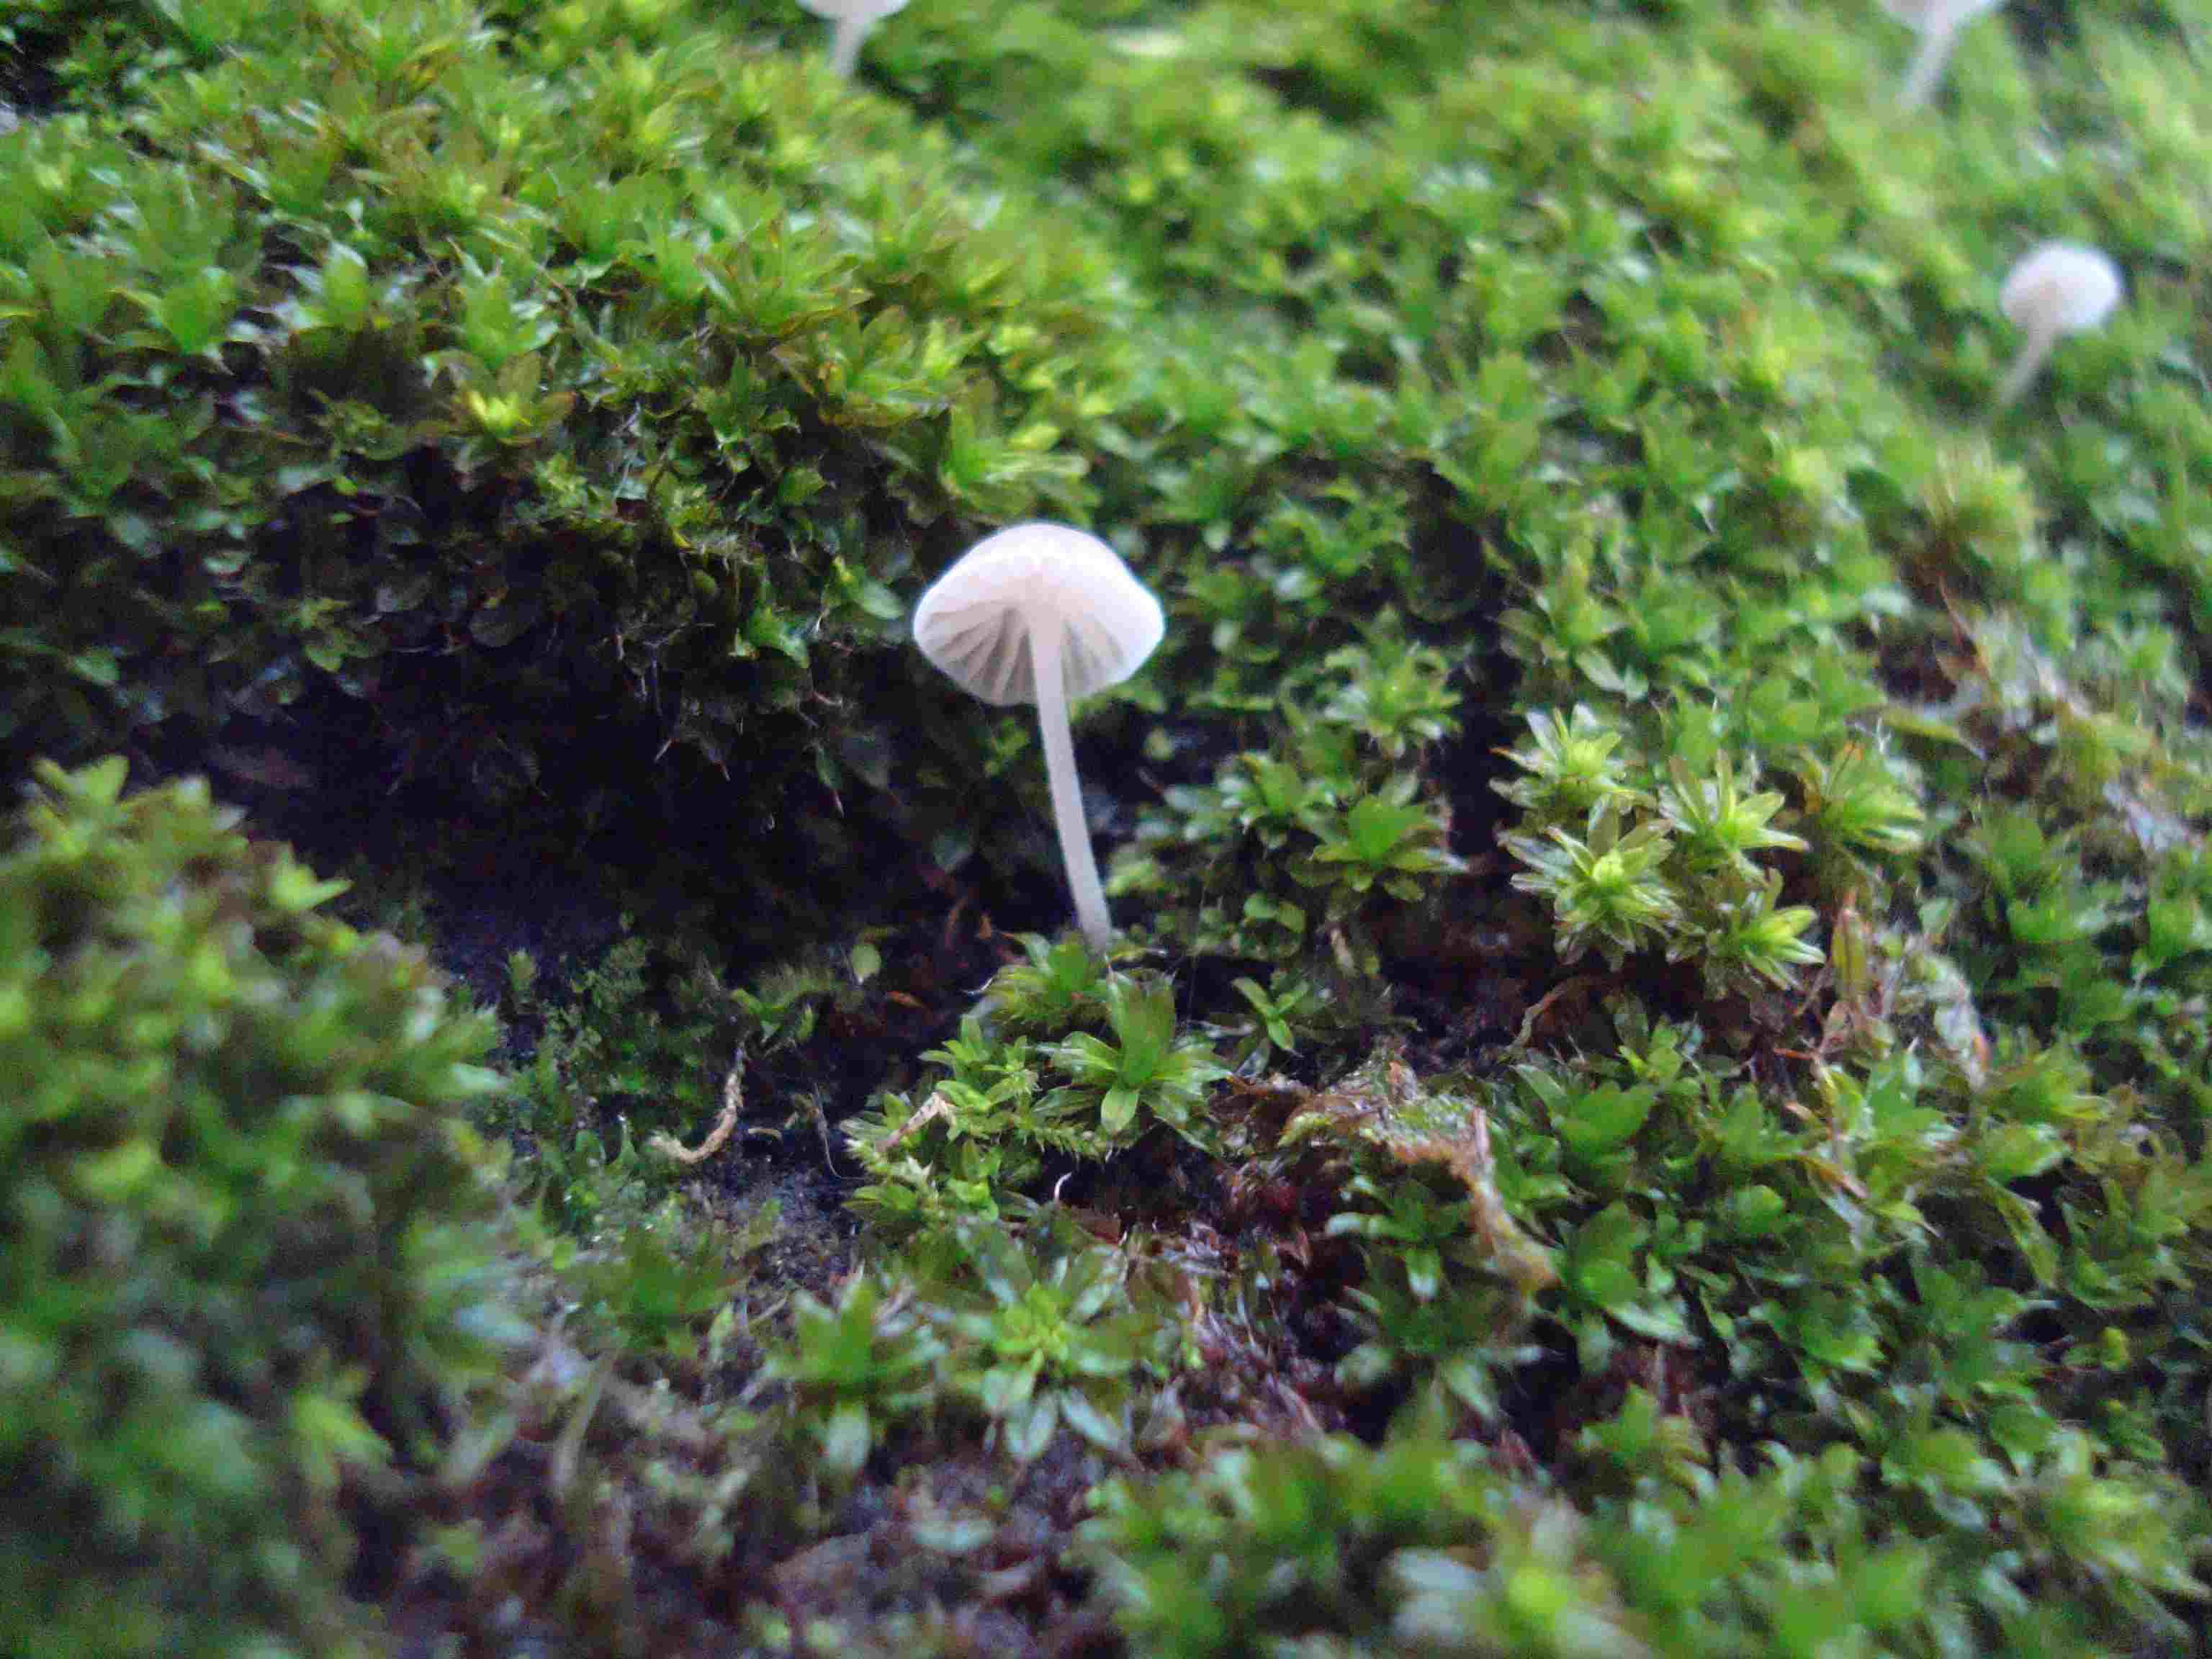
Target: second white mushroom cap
2061, 287
1925, 15
867, 11
977, 623
853, 19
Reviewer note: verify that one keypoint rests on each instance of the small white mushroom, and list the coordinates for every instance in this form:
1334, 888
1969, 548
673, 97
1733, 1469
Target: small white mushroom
1043, 613
850, 20
2058, 289
1937, 22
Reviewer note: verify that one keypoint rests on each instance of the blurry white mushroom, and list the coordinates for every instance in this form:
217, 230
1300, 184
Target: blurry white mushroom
1937, 22
1043, 613
2058, 289
851, 19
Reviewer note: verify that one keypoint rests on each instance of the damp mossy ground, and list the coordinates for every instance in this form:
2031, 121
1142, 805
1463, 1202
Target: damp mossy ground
1653, 1094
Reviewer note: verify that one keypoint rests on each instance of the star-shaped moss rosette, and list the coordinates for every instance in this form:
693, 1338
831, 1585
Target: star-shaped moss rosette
1140, 1067
1050, 1334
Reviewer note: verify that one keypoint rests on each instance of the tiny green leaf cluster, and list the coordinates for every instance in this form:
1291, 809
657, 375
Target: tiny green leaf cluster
1005, 1105
1626, 869
1304, 847
1027, 1328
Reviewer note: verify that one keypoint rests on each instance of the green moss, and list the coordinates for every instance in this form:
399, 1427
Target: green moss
1008, 1108
246, 1292
1422, 1545
1652, 1098
530, 368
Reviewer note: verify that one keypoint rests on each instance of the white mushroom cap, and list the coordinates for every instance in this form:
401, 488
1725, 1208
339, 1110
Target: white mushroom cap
1922, 16
851, 19
865, 10
974, 622
2061, 287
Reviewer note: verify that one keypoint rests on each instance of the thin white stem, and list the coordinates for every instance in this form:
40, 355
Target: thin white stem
1927, 70
845, 39
2025, 367
1067, 792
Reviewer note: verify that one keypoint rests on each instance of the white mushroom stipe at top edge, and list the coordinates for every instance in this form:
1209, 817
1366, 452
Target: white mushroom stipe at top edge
1044, 613
1937, 22
850, 22
2057, 289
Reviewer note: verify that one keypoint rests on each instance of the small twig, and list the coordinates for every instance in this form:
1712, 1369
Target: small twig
937, 1106
1577, 982
569, 1449
733, 1103
821, 1127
